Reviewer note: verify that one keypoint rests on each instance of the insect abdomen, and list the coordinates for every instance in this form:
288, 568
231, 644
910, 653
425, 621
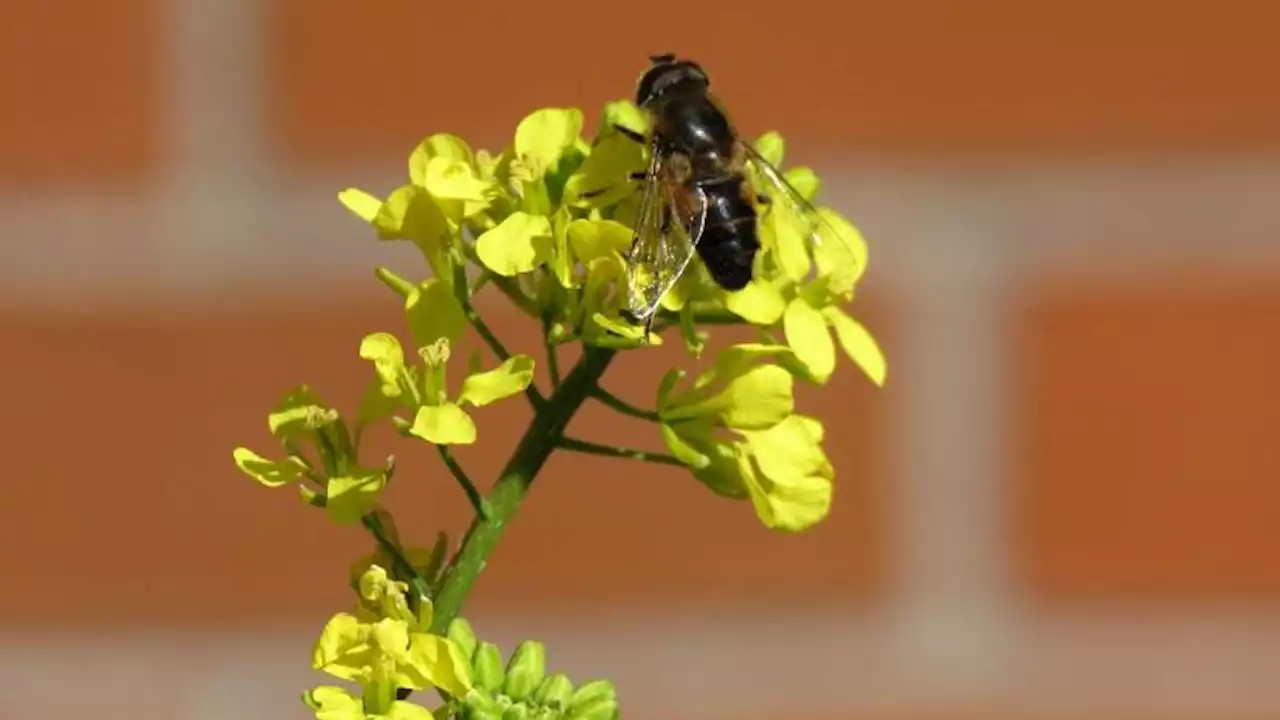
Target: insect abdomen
729, 242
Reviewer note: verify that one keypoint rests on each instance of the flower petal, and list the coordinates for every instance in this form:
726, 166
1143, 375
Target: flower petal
440, 145
756, 399
360, 203
435, 661
509, 378
790, 483
759, 303
808, 336
353, 493
384, 350
858, 344
343, 649
591, 239
331, 702
517, 245
445, 424
562, 262
804, 180
410, 213
300, 411
842, 258
268, 472
544, 135
405, 710
772, 147
604, 172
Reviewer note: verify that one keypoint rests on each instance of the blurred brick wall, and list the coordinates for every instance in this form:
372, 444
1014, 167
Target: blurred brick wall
1073, 276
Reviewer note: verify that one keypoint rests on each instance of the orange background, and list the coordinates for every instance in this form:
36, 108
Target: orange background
1084, 182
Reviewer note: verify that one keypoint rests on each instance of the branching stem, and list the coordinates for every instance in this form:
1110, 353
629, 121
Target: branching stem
583, 446
473, 495
539, 441
622, 406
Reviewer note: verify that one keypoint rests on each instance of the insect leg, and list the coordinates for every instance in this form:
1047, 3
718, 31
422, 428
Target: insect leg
633, 177
630, 134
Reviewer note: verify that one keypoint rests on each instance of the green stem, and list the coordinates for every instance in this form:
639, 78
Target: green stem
402, 566
539, 441
553, 358
482, 329
623, 406
473, 495
583, 446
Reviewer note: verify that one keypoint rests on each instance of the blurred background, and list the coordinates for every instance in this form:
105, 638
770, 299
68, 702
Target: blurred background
1063, 504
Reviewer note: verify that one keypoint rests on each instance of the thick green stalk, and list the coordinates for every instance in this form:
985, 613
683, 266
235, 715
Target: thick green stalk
539, 441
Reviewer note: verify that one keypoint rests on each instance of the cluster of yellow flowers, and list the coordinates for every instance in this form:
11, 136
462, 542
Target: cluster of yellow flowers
524, 223
522, 219
385, 647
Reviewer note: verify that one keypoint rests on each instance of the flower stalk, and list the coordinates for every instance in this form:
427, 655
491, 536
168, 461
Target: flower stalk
540, 439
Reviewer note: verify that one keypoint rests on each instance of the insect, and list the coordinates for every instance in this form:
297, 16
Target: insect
698, 195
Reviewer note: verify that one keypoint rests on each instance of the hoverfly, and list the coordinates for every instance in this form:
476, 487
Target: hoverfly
698, 195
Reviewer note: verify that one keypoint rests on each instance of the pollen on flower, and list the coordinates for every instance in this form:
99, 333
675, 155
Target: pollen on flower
318, 417
436, 354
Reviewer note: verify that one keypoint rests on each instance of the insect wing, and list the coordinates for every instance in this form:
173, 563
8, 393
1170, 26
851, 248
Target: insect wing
837, 247
665, 242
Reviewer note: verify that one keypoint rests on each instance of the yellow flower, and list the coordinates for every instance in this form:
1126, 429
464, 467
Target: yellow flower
350, 489
331, 702
394, 651
422, 389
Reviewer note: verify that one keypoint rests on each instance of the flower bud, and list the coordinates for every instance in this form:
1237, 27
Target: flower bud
527, 667
463, 636
518, 711
601, 708
481, 706
487, 664
590, 694
555, 691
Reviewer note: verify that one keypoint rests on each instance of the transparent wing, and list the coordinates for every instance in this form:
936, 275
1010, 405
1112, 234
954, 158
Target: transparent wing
832, 248
666, 238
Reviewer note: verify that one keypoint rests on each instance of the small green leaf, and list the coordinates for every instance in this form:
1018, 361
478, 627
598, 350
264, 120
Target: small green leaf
510, 378
434, 313
353, 493
517, 245
445, 424
268, 472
